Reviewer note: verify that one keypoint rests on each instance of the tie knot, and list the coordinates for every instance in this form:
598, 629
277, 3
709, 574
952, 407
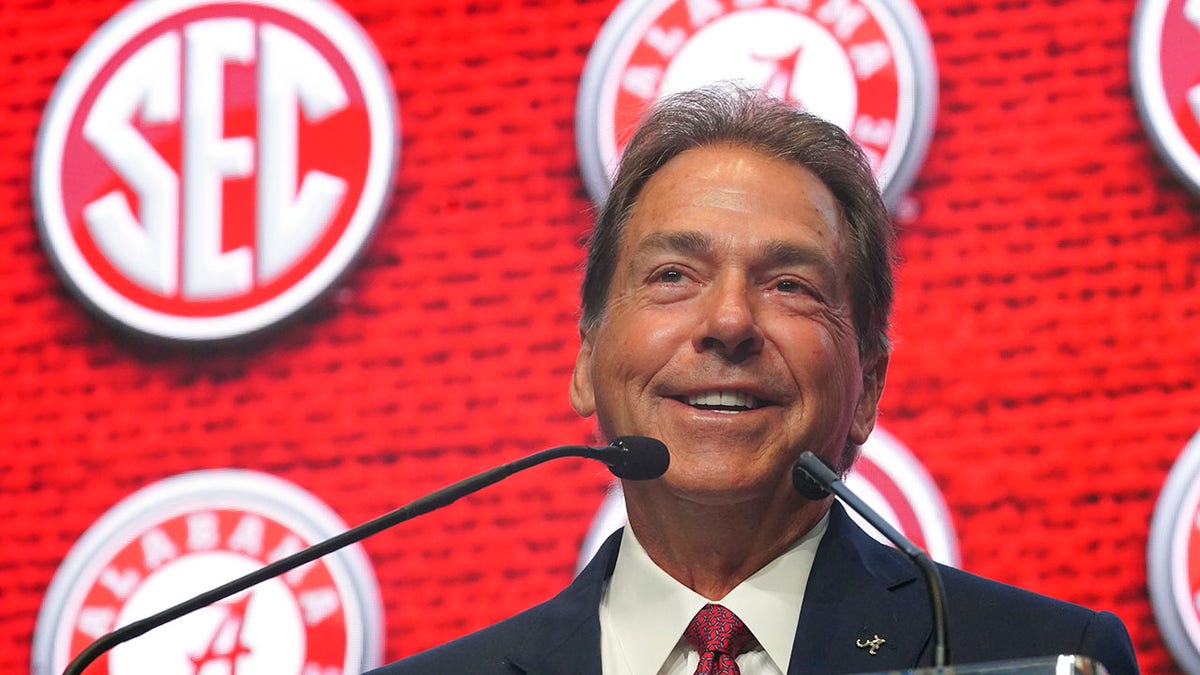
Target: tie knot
717, 630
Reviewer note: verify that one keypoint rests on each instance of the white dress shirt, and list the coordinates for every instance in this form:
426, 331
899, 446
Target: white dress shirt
644, 612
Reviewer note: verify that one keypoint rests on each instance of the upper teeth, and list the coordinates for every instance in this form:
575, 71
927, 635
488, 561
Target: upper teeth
727, 399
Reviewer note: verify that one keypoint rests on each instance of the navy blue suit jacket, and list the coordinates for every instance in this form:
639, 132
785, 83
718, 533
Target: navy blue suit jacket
858, 589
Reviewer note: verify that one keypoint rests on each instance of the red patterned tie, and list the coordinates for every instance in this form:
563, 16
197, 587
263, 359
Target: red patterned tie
719, 635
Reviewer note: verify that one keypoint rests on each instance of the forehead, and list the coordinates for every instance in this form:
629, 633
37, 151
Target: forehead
736, 193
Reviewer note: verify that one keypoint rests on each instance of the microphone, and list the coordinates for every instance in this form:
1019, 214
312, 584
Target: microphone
629, 457
814, 479
633, 457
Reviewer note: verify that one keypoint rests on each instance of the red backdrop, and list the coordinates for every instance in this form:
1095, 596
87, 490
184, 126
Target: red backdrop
1046, 369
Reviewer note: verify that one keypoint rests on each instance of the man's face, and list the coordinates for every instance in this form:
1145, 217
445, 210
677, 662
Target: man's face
727, 332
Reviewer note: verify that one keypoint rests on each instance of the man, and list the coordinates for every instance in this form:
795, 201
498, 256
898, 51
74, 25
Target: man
735, 306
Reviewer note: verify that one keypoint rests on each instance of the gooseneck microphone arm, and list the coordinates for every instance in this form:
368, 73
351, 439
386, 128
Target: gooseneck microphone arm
631, 457
815, 480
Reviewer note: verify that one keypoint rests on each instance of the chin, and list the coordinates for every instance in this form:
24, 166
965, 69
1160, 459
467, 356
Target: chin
718, 487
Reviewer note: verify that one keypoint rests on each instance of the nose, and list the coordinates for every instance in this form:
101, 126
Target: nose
729, 325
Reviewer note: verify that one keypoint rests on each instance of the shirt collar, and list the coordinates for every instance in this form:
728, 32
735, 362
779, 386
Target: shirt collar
649, 610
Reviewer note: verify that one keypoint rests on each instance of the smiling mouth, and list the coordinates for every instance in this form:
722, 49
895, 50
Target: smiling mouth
723, 401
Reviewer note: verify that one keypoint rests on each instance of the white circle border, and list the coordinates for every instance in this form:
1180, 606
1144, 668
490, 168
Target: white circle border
274, 497
1166, 553
1150, 96
899, 19
372, 77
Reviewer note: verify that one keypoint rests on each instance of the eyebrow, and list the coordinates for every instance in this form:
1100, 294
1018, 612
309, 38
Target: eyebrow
788, 254
690, 242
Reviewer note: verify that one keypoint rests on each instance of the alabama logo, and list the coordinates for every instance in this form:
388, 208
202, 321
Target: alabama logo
206, 168
1165, 67
1173, 567
193, 532
865, 65
886, 476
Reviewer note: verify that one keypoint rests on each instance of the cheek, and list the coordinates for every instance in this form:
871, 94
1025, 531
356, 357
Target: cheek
616, 389
624, 361
631, 354
825, 361
660, 339
643, 339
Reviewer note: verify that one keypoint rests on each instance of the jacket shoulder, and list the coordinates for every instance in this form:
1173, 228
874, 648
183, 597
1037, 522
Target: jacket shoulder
483, 651
992, 621
561, 634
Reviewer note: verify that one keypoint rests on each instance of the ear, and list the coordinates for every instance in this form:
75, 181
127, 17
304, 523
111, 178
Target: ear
868, 405
583, 397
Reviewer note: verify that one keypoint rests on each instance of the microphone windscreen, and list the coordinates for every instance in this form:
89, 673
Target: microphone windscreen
638, 458
804, 480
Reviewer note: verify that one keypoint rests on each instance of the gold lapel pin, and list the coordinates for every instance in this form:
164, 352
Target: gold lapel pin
872, 646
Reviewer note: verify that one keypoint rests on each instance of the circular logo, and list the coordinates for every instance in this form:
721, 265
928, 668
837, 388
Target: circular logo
1173, 568
185, 535
1165, 65
886, 476
205, 169
865, 65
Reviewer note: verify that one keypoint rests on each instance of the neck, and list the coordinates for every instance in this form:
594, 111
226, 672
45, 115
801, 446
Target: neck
713, 548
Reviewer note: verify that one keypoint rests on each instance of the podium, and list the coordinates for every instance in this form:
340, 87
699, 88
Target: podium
1062, 664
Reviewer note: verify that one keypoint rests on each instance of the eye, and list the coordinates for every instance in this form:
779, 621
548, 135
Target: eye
790, 286
669, 276
670, 282
798, 288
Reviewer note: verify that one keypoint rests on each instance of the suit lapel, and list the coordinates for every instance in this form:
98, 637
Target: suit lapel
566, 637
860, 593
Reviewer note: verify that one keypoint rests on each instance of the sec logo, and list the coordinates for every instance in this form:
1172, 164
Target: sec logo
205, 169
865, 65
1173, 568
886, 476
1165, 52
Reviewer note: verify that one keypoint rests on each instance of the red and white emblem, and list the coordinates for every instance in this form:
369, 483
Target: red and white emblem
894, 482
185, 535
1166, 81
1173, 568
886, 476
207, 168
865, 65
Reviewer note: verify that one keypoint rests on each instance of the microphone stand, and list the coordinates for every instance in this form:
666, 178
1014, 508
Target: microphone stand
825, 478
430, 502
